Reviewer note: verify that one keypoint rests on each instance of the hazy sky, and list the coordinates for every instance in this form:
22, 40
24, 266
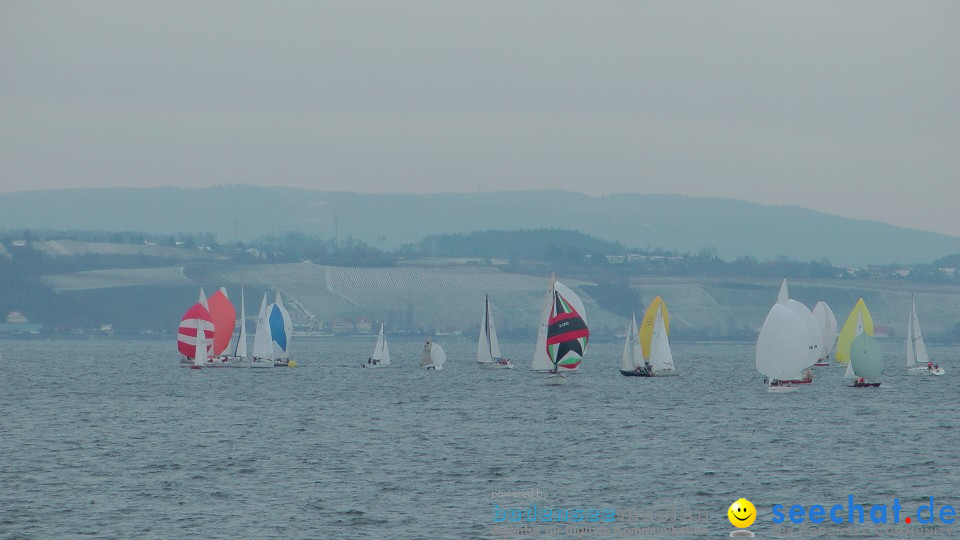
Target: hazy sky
852, 108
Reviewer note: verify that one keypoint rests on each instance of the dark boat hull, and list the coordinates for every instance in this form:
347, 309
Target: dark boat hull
635, 373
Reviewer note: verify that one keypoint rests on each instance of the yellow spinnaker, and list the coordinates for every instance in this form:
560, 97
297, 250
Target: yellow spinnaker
646, 325
849, 331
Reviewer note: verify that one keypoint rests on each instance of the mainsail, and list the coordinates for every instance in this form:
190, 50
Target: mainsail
541, 362
262, 346
661, 357
381, 352
827, 322
916, 349
240, 351
632, 357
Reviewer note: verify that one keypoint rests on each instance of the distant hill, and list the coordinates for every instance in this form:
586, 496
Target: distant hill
672, 222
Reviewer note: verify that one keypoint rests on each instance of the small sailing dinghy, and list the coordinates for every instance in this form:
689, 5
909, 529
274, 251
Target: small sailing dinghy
918, 361
781, 349
567, 333
631, 362
827, 322
381, 353
488, 348
433, 356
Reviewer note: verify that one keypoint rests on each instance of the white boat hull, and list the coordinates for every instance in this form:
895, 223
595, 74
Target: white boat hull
494, 365
375, 366
556, 379
924, 370
258, 364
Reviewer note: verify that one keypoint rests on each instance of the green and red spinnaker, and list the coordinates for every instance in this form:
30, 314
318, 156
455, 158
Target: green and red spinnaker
567, 334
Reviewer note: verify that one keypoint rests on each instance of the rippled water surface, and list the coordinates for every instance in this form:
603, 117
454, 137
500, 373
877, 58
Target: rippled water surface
110, 438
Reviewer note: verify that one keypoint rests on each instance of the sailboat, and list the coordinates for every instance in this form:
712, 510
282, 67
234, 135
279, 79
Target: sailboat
781, 349
201, 353
488, 348
567, 332
863, 354
866, 362
827, 322
631, 362
433, 356
195, 320
381, 352
262, 344
240, 349
281, 330
918, 361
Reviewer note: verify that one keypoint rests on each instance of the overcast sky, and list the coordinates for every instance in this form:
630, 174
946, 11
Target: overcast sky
851, 108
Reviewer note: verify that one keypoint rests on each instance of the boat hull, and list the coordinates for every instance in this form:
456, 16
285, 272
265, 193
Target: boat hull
923, 370
374, 366
822, 364
864, 385
495, 365
555, 379
634, 373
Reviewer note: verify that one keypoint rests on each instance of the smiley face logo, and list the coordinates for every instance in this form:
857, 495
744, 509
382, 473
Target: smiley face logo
742, 513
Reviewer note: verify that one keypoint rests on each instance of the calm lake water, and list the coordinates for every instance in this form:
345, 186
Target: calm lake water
110, 438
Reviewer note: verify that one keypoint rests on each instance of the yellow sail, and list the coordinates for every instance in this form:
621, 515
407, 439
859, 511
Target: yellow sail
849, 331
646, 325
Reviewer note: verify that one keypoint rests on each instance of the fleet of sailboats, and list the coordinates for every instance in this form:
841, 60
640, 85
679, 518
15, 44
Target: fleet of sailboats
792, 339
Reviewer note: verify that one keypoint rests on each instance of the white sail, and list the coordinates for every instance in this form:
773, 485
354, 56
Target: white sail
381, 352
781, 349
426, 360
571, 297
262, 346
632, 356
439, 357
661, 357
494, 342
784, 294
916, 348
240, 351
811, 330
827, 322
200, 352
485, 354
541, 361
